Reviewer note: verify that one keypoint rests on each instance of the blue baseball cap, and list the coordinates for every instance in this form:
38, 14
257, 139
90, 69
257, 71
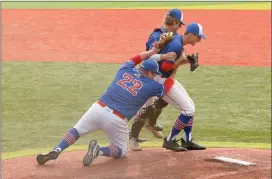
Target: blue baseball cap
151, 65
196, 29
177, 14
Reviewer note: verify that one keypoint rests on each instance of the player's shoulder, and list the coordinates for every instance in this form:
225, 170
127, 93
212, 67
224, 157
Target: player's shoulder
177, 41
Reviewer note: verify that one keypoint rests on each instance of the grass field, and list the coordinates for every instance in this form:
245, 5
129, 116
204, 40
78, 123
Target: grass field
42, 100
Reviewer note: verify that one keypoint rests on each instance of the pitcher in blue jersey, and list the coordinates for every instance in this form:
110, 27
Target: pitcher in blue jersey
130, 89
172, 22
177, 96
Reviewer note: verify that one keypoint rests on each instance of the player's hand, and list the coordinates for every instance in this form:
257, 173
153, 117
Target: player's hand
156, 47
171, 56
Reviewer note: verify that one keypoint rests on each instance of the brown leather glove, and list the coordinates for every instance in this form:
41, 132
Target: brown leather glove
193, 59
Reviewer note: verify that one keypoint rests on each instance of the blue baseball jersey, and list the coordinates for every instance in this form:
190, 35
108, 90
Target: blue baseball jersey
176, 45
130, 90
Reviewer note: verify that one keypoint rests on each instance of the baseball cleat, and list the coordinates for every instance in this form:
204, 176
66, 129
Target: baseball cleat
134, 145
92, 153
158, 127
157, 134
173, 145
43, 158
191, 145
141, 140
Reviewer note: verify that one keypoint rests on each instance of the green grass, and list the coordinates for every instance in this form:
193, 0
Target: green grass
139, 5
42, 100
33, 152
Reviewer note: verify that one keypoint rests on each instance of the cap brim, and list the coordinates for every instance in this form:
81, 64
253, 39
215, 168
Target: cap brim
203, 36
182, 23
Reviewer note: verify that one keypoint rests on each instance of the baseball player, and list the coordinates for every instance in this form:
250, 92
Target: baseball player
172, 22
130, 89
177, 96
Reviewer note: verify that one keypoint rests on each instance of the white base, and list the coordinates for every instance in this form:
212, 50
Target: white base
236, 161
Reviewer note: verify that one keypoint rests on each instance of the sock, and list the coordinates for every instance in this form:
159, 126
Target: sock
180, 123
110, 151
188, 130
69, 139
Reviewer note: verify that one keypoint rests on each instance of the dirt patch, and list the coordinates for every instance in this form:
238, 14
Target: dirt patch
150, 163
112, 36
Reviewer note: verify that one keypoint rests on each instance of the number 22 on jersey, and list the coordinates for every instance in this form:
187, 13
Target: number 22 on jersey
127, 79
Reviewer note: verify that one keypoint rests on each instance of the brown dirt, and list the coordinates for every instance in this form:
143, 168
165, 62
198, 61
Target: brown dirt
113, 36
150, 163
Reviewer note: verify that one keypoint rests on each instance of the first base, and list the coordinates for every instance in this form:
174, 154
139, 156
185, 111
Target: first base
236, 161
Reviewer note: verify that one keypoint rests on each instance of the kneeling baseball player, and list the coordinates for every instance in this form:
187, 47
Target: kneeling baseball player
128, 92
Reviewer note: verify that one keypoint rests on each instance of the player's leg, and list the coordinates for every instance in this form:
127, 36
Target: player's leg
134, 140
159, 104
188, 128
179, 98
140, 119
118, 136
88, 123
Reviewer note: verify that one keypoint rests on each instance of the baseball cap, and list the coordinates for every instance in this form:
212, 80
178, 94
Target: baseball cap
151, 65
177, 14
197, 29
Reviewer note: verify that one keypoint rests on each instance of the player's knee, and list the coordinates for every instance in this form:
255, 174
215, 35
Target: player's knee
124, 153
189, 110
121, 153
160, 104
81, 130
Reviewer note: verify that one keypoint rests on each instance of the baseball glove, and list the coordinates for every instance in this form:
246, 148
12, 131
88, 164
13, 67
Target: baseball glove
193, 59
164, 40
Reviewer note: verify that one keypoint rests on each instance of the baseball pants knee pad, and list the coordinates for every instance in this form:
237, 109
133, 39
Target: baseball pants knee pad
189, 111
160, 103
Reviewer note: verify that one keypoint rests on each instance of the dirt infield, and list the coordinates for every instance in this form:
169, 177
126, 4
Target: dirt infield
113, 36
150, 163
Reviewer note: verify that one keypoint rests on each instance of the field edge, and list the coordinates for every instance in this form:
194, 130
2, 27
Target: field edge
241, 145
139, 5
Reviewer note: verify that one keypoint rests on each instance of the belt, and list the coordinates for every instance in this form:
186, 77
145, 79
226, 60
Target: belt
113, 111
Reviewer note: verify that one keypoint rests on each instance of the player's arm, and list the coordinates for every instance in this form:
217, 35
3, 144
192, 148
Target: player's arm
139, 58
170, 56
182, 60
144, 55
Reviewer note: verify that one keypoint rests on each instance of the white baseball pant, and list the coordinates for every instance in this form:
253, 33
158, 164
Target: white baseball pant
177, 97
103, 118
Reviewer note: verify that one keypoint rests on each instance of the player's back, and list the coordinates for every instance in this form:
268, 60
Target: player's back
129, 91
